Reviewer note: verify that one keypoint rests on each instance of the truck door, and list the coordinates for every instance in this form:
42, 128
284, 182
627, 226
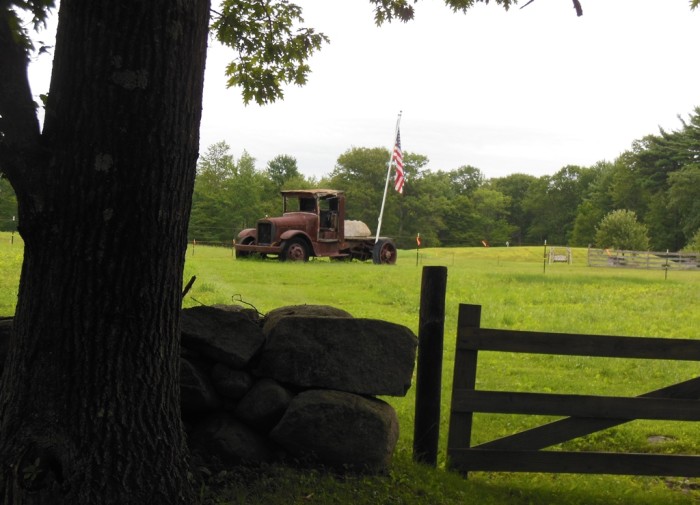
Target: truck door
328, 219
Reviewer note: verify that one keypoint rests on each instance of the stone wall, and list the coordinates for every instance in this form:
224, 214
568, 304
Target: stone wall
299, 384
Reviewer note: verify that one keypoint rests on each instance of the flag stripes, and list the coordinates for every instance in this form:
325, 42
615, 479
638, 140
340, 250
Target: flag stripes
397, 158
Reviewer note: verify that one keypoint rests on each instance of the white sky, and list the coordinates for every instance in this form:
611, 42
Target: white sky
528, 90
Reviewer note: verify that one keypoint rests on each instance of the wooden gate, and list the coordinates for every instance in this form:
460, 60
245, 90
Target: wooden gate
587, 414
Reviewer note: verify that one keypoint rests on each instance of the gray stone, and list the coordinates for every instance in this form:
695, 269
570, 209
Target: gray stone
273, 317
340, 430
197, 395
228, 440
229, 383
263, 406
363, 356
249, 312
227, 337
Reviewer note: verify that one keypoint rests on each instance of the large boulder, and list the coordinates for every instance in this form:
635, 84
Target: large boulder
263, 406
227, 337
249, 312
197, 396
224, 439
229, 383
339, 430
363, 356
274, 316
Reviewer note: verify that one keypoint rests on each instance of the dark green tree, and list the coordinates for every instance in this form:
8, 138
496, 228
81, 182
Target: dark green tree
515, 187
251, 194
281, 169
491, 210
553, 202
647, 174
684, 198
361, 172
212, 208
596, 203
466, 179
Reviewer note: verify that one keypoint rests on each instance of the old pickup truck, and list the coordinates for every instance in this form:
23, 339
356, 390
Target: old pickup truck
313, 224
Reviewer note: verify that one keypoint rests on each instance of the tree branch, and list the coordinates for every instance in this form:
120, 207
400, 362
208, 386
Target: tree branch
579, 9
577, 6
19, 126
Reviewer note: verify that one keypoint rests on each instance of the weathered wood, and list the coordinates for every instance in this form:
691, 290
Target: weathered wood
648, 260
575, 462
550, 404
572, 344
573, 427
590, 413
464, 374
431, 336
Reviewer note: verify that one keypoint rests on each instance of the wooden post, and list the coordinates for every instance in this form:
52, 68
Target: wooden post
544, 261
431, 335
459, 434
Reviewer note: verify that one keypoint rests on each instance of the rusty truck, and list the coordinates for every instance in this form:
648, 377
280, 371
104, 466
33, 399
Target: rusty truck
313, 224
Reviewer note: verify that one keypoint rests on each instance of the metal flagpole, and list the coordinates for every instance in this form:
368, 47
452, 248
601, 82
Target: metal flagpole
388, 174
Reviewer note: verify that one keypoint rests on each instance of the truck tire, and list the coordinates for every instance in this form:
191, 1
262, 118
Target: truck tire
295, 249
384, 252
245, 254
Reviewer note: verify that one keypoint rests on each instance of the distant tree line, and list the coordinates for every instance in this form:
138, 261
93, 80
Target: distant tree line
648, 198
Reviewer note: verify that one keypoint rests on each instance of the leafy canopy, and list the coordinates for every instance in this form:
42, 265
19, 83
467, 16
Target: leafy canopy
271, 51
620, 230
39, 10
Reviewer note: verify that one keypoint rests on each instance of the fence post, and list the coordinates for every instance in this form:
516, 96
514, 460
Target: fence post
431, 337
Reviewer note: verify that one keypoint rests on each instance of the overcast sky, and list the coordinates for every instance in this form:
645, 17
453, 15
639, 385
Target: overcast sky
529, 90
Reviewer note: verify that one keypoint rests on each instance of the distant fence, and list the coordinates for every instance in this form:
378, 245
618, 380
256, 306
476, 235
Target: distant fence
522, 452
649, 260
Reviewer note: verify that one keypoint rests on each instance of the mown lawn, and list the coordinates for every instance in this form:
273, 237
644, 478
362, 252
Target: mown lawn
516, 291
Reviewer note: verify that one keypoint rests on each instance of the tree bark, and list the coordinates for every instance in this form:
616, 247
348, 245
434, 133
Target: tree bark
89, 398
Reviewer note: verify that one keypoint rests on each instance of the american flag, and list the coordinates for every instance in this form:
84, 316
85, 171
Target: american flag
397, 158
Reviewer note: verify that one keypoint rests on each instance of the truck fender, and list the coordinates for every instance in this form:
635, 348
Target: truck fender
248, 232
294, 233
297, 233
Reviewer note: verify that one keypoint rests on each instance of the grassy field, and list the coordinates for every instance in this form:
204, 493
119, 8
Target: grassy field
516, 291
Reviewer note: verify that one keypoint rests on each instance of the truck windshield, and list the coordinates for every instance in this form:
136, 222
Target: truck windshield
299, 204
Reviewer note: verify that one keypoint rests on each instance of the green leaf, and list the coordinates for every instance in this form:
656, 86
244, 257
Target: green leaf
272, 50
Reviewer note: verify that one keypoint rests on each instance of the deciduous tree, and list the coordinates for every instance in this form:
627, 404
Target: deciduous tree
89, 400
621, 230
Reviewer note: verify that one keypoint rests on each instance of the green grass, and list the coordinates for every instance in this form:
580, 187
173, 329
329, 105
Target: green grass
516, 291
11, 252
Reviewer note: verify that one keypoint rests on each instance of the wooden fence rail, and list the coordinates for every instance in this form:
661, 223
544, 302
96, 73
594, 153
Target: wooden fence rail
522, 452
648, 260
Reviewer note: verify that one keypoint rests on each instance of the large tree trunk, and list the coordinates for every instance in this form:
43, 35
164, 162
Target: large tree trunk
89, 405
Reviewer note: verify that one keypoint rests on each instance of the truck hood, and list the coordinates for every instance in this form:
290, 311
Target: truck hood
291, 218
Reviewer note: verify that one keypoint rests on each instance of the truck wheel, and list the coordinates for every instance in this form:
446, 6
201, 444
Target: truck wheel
245, 254
384, 252
295, 249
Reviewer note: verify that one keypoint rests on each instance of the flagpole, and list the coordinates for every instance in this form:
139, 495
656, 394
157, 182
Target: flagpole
388, 174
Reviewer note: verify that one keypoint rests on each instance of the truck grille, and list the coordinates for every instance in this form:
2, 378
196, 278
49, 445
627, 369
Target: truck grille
264, 233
